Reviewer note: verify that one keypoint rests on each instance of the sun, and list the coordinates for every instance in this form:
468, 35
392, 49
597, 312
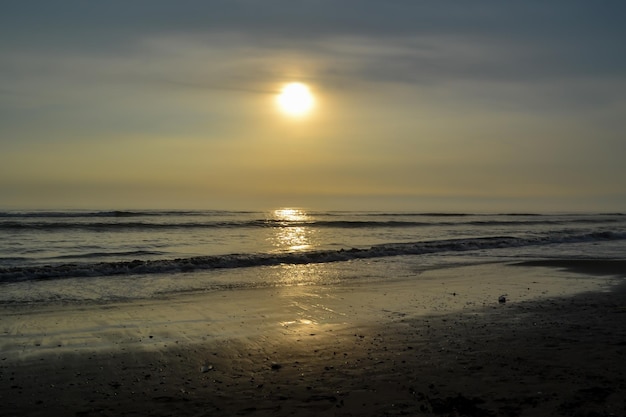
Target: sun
295, 99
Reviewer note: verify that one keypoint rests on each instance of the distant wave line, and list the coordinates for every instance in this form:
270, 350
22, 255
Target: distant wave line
185, 213
109, 254
271, 223
117, 213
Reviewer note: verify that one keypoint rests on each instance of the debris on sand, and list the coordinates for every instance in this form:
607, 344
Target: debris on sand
206, 368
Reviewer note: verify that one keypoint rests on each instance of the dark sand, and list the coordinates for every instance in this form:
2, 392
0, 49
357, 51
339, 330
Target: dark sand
542, 353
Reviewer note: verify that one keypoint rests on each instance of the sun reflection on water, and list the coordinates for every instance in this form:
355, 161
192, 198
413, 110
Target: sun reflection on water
299, 283
292, 233
290, 214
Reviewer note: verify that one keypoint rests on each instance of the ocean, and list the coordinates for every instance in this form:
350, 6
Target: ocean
102, 256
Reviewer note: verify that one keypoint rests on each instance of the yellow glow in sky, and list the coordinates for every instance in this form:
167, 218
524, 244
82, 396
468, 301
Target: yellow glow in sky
295, 99
418, 111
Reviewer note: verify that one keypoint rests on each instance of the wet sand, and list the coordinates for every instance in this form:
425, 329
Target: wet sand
440, 345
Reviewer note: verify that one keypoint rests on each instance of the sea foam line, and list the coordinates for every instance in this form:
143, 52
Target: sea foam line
14, 274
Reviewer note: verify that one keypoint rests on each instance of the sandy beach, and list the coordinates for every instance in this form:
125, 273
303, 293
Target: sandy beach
441, 344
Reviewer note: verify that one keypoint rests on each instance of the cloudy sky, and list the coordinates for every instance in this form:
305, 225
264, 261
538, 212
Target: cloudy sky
419, 105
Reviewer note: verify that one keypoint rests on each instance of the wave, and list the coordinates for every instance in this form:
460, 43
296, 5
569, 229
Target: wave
116, 213
272, 223
194, 213
258, 223
72, 270
108, 254
460, 214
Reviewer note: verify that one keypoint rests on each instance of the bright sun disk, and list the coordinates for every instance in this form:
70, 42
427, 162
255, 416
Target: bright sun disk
295, 99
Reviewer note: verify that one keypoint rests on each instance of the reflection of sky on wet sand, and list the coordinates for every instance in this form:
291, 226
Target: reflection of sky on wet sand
293, 236
310, 310
310, 306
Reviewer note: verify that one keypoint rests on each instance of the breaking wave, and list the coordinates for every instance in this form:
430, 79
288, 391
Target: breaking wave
156, 266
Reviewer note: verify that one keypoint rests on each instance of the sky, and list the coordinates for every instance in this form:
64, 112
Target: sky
419, 105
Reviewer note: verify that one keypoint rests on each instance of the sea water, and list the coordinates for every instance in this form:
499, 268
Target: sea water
79, 256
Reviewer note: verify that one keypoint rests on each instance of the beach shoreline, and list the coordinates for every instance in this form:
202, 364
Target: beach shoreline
439, 345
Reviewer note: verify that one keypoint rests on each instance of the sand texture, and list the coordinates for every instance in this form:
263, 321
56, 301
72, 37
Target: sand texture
441, 345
